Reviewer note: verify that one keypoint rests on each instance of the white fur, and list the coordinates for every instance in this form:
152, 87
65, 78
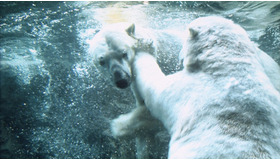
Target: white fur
224, 103
110, 44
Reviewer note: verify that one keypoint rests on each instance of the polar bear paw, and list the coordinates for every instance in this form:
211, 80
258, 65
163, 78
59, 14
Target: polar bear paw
146, 45
122, 126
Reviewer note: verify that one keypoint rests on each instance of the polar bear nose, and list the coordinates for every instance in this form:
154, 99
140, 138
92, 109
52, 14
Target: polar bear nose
121, 79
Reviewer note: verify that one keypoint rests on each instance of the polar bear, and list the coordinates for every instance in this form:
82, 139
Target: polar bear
113, 52
225, 103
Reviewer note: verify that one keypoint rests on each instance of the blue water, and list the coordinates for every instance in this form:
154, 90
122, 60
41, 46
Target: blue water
56, 104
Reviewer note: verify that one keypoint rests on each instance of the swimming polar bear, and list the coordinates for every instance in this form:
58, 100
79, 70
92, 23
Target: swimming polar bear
225, 103
113, 52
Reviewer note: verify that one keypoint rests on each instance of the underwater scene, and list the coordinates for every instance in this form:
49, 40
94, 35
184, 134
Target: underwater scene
57, 103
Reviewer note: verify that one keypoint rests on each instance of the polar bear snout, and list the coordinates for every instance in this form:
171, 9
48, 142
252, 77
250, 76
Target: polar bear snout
121, 78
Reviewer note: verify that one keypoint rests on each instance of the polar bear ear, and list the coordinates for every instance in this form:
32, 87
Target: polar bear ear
131, 30
193, 32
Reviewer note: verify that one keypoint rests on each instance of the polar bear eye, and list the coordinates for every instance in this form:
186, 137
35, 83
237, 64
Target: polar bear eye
102, 61
124, 55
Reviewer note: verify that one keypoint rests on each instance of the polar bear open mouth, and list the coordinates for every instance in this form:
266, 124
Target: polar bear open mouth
121, 79
122, 84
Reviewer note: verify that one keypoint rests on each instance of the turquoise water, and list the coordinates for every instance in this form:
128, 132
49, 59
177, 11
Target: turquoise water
56, 104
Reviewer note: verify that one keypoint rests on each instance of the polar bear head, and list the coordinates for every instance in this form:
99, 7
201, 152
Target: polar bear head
113, 50
211, 38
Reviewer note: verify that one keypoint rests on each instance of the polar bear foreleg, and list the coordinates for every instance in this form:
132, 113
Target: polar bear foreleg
140, 124
132, 122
